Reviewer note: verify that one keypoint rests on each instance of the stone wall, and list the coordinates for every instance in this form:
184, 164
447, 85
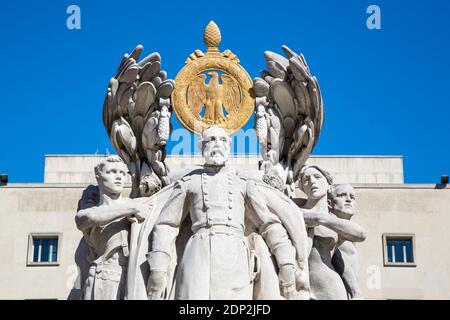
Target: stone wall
345, 169
384, 208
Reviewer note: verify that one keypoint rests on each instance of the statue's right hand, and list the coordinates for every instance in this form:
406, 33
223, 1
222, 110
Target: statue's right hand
157, 284
286, 277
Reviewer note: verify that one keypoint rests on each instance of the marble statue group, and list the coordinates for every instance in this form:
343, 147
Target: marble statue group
214, 232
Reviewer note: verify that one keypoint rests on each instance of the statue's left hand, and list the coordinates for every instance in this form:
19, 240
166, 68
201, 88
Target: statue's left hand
286, 278
138, 211
141, 212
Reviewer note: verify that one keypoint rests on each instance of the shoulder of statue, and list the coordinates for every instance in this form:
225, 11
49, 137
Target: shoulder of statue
90, 198
191, 175
185, 178
184, 182
181, 183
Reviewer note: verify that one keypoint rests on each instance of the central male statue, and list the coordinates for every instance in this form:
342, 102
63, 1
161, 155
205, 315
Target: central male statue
217, 262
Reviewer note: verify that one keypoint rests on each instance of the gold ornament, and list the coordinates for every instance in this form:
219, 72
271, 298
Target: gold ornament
212, 36
213, 88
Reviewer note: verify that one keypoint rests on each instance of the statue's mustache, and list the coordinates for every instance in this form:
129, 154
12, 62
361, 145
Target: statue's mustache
217, 151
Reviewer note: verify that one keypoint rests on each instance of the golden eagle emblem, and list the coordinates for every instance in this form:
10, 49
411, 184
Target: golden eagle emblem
214, 97
213, 88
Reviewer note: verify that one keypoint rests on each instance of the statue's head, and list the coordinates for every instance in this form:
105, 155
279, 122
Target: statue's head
215, 144
342, 200
111, 174
314, 181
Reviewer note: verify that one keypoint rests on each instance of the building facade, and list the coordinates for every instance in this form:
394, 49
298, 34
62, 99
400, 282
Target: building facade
405, 255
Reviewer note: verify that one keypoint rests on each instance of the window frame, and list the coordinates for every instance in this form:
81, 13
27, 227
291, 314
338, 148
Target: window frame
30, 253
399, 236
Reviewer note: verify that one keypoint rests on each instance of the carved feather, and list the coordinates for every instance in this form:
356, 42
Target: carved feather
165, 89
131, 112
296, 110
144, 96
149, 71
196, 94
260, 87
230, 93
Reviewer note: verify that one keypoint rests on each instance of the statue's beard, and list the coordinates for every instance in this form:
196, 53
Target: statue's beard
216, 157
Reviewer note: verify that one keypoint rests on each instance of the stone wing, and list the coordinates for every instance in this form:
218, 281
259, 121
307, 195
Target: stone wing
290, 112
136, 116
230, 93
196, 94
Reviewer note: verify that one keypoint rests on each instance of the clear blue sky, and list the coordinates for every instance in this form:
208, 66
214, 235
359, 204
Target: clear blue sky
385, 92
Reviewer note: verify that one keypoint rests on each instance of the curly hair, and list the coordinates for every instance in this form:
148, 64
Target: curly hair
110, 159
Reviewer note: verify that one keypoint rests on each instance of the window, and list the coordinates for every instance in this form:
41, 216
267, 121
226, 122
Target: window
43, 249
399, 250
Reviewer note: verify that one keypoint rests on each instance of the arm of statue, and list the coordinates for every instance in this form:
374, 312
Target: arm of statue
102, 215
280, 246
165, 234
310, 239
277, 240
346, 229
